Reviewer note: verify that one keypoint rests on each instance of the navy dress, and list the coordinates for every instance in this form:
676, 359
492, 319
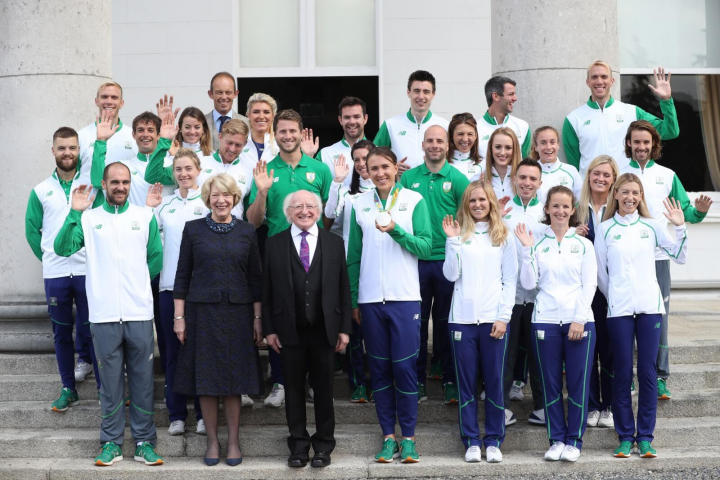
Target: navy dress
218, 276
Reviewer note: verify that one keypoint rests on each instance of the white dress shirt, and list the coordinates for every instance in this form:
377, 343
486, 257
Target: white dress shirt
312, 239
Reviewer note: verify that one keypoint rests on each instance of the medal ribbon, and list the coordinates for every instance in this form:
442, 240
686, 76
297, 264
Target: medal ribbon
393, 196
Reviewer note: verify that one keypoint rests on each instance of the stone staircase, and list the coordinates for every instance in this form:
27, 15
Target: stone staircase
38, 443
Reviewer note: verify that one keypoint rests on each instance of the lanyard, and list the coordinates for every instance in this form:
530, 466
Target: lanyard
393, 195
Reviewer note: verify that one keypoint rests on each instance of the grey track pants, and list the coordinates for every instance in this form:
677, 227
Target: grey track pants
662, 271
131, 344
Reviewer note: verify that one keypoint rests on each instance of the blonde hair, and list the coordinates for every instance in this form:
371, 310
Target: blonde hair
533, 153
600, 63
187, 153
235, 126
223, 183
497, 229
516, 156
109, 84
264, 98
586, 192
612, 204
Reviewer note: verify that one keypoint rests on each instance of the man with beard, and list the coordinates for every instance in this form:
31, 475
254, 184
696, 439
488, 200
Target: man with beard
442, 186
643, 148
64, 278
124, 251
352, 115
289, 172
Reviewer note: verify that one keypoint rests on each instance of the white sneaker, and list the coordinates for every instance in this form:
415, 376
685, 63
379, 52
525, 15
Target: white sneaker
593, 418
277, 396
82, 370
310, 397
606, 419
537, 417
493, 455
473, 454
570, 454
247, 401
553, 454
482, 396
177, 427
509, 417
200, 429
516, 393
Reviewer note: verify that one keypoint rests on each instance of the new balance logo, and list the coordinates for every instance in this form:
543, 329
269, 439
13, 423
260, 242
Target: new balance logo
402, 134
617, 237
587, 122
98, 226
48, 194
414, 185
366, 209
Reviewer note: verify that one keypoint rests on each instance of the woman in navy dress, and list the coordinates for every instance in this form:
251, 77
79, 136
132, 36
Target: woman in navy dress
217, 313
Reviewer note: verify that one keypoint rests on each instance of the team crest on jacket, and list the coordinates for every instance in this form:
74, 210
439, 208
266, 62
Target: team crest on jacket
403, 207
128, 146
619, 118
563, 180
447, 186
198, 210
659, 180
644, 234
241, 179
574, 248
135, 225
310, 176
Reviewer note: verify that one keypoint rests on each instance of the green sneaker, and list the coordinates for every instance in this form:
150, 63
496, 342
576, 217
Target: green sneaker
632, 389
451, 393
359, 395
408, 454
146, 453
436, 371
623, 450
663, 392
646, 450
67, 399
388, 452
109, 454
422, 392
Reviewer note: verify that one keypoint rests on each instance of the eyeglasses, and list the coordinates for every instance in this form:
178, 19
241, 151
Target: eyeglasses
301, 206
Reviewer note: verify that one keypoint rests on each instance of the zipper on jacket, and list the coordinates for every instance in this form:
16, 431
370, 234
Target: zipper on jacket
117, 257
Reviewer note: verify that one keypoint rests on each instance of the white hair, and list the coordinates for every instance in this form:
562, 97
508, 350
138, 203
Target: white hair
288, 200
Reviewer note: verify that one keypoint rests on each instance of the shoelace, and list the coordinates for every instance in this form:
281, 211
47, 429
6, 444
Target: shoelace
556, 446
474, 449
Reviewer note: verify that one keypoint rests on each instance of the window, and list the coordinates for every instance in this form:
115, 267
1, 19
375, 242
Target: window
311, 38
675, 34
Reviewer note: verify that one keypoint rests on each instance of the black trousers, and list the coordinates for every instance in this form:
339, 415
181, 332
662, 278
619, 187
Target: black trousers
311, 356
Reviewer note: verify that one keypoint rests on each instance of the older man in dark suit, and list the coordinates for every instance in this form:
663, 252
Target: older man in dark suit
306, 318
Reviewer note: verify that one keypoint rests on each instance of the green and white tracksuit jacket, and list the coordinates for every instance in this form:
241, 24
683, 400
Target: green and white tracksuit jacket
470, 169
340, 203
48, 205
121, 146
138, 165
171, 216
590, 131
559, 173
565, 274
488, 124
485, 277
625, 250
123, 251
384, 266
659, 183
405, 136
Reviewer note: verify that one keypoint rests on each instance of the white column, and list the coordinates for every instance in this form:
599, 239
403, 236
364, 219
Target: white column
546, 47
54, 56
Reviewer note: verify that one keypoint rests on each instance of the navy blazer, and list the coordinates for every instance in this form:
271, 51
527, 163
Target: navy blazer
212, 264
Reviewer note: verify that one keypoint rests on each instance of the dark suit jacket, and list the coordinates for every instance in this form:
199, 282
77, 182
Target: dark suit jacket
212, 264
213, 128
278, 297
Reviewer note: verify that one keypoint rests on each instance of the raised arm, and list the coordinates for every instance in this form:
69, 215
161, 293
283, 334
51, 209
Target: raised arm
452, 267
571, 144
676, 250
262, 182
71, 238
354, 256
154, 249
668, 127
529, 274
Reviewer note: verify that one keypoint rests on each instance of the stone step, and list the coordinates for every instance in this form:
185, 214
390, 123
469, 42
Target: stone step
47, 387
699, 403
672, 463
259, 441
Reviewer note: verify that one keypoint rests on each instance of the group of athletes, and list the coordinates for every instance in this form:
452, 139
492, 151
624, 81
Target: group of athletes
532, 270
